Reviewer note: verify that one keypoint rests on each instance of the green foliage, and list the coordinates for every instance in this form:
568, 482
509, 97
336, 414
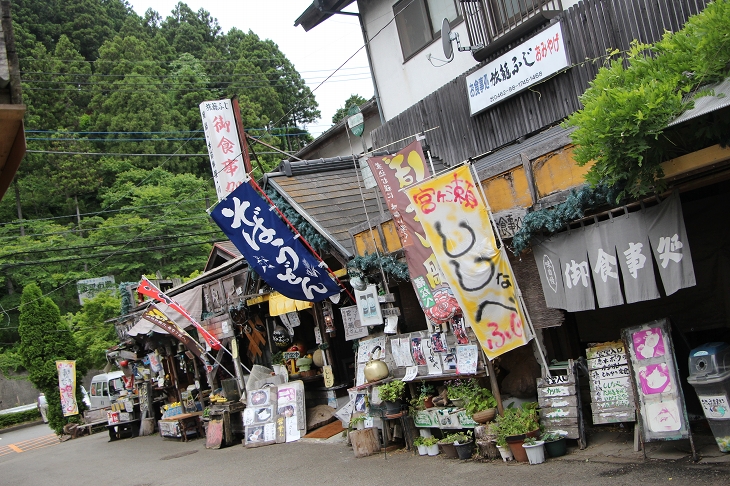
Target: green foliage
44, 339
91, 331
481, 399
10, 362
98, 78
550, 436
313, 237
392, 391
460, 389
353, 100
373, 261
10, 419
517, 421
556, 218
429, 441
419, 441
530, 441
629, 103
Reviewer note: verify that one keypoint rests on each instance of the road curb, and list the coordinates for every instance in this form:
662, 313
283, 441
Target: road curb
21, 426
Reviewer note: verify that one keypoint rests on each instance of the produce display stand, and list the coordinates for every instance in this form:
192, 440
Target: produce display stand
181, 426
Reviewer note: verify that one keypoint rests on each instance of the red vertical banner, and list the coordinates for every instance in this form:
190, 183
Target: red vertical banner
394, 172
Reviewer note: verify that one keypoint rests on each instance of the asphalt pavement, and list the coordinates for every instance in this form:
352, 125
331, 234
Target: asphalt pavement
155, 461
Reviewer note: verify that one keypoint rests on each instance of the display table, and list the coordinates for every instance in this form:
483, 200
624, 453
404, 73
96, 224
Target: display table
181, 426
229, 416
122, 430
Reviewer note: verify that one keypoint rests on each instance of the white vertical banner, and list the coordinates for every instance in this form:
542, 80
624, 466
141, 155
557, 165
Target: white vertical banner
224, 145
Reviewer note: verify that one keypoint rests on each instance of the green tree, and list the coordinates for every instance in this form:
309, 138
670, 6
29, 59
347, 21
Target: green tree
92, 332
341, 113
44, 339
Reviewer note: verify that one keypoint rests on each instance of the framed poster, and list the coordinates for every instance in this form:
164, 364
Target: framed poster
368, 306
658, 391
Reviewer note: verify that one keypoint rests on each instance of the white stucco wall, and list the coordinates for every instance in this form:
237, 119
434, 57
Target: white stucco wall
402, 84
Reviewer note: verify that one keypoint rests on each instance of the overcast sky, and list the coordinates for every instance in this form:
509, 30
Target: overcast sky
315, 54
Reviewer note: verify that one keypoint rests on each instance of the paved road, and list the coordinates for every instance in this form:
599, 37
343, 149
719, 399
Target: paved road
92, 460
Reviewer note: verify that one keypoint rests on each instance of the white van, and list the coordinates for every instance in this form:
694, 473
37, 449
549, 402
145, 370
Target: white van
105, 388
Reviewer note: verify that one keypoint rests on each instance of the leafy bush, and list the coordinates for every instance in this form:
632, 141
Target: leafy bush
481, 399
9, 419
517, 421
392, 391
630, 102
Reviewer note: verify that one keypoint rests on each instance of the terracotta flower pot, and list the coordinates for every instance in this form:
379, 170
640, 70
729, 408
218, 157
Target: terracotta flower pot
515, 446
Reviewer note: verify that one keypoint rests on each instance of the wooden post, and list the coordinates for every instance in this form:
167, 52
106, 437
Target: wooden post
495, 387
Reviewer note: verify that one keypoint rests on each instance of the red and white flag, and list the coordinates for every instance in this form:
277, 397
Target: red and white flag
148, 288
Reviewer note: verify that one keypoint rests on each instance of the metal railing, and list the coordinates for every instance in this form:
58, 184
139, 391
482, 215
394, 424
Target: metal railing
487, 20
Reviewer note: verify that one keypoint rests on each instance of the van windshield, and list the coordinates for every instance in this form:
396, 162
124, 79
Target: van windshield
115, 386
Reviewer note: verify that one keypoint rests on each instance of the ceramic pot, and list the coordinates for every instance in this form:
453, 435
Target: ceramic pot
375, 370
484, 416
535, 453
556, 448
433, 450
448, 450
428, 402
457, 402
465, 451
392, 408
422, 450
515, 446
506, 453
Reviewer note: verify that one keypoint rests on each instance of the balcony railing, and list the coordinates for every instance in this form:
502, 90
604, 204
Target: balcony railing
494, 23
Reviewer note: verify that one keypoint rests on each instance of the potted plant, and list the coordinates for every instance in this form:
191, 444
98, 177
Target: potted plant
431, 444
391, 394
426, 393
504, 449
464, 444
554, 444
535, 450
515, 424
481, 405
358, 422
446, 444
418, 442
458, 391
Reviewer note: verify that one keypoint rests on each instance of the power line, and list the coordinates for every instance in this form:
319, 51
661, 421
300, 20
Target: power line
110, 243
102, 255
125, 155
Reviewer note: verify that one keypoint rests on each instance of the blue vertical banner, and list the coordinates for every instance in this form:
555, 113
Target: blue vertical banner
271, 248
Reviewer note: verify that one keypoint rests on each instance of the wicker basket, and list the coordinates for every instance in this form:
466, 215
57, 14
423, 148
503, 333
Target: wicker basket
484, 416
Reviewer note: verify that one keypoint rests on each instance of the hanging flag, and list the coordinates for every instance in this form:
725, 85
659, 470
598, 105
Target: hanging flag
392, 173
270, 247
456, 223
224, 145
67, 386
158, 318
148, 288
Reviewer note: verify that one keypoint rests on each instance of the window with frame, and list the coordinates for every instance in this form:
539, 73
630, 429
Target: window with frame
419, 22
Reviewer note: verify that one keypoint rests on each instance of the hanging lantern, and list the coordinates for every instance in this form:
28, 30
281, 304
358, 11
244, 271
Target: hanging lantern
281, 337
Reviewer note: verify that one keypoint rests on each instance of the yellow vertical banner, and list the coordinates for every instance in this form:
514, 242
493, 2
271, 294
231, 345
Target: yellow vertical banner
67, 387
456, 223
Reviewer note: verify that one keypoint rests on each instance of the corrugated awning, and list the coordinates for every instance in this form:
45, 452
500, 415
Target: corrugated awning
279, 304
717, 100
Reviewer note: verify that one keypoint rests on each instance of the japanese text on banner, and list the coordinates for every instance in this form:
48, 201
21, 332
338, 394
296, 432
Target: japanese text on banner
394, 172
456, 223
67, 387
271, 248
224, 145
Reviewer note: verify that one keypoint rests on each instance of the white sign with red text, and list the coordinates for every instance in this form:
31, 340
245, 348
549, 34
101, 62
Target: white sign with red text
531, 62
224, 146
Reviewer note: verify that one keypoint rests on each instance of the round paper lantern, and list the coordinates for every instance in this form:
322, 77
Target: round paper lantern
281, 337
